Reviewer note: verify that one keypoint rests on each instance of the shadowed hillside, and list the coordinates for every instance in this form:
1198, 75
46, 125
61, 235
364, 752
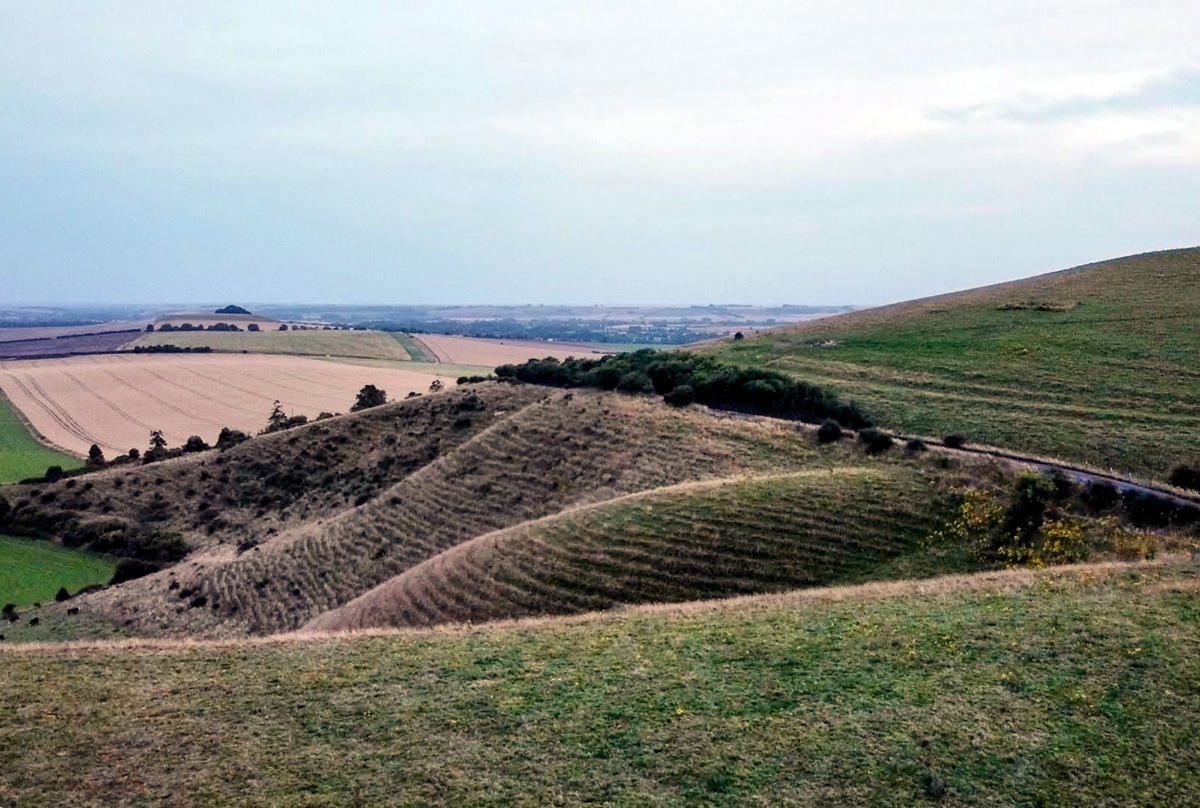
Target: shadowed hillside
687, 542
1095, 364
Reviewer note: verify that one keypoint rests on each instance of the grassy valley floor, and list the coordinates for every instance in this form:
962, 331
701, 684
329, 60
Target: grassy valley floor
1075, 686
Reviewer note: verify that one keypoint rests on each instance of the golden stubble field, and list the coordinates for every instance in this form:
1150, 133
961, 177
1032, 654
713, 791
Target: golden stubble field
115, 400
493, 352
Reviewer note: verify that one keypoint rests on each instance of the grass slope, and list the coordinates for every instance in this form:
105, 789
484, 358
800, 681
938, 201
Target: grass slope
686, 542
1071, 687
365, 344
558, 451
31, 570
21, 455
1095, 364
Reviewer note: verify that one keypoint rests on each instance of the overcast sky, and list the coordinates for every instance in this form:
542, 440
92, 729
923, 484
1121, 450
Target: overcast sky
640, 152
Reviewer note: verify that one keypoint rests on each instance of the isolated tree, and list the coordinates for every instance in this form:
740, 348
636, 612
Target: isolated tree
95, 456
368, 397
436, 386
150, 326
134, 454
252, 327
54, 474
157, 441
277, 418
283, 326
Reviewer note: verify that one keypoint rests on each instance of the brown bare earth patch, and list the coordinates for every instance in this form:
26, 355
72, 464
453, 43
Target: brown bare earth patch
115, 400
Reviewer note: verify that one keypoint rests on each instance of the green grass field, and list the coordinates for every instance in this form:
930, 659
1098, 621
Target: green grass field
412, 347
1068, 687
21, 455
1096, 364
32, 570
365, 344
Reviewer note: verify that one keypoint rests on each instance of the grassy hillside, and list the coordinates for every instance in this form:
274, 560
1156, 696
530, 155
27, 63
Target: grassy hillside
1096, 364
366, 344
686, 542
31, 570
1072, 687
21, 455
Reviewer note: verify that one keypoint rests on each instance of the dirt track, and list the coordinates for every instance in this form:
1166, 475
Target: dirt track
115, 400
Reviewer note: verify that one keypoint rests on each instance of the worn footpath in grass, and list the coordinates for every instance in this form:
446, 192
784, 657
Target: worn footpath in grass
370, 344
21, 455
1095, 364
33, 570
1077, 687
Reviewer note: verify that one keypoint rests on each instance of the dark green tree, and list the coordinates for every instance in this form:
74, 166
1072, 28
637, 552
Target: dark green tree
95, 456
157, 441
369, 396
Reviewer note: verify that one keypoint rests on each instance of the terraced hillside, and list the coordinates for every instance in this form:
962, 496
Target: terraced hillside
562, 451
687, 542
1096, 364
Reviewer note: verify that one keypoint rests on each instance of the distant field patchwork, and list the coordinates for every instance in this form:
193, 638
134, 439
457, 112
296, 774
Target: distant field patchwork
115, 400
492, 352
361, 344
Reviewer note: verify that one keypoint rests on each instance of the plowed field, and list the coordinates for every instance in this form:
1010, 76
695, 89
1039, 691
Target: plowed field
115, 400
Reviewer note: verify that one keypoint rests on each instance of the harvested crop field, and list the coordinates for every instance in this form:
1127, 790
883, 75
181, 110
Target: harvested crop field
66, 345
115, 400
357, 344
494, 352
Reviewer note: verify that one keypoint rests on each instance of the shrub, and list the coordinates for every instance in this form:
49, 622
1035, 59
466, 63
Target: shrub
955, 440
95, 456
436, 386
195, 444
62, 594
635, 382
131, 568
876, 441
369, 396
1185, 477
230, 438
1032, 492
830, 431
915, 446
1100, 496
134, 454
252, 327
739, 336
681, 396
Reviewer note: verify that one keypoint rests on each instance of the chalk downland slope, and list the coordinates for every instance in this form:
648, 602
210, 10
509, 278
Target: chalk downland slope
687, 542
561, 451
1073, 686
1094, 364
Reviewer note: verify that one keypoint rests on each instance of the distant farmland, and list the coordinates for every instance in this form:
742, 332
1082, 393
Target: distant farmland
21, 455
358, 344
493, 352
115, 400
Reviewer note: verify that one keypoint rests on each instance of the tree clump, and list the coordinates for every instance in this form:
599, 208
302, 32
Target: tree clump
368, 397
713, 383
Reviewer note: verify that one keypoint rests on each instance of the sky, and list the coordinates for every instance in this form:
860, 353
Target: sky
615, 152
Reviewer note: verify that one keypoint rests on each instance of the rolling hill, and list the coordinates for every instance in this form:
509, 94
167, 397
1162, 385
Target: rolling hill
691, 541
1096, 364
